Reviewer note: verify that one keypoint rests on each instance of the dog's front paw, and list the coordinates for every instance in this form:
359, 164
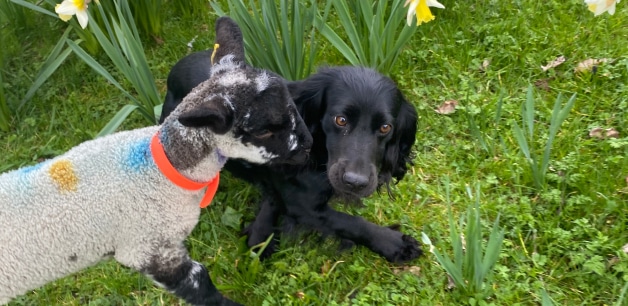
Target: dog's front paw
256, 236
409, 249
399, 247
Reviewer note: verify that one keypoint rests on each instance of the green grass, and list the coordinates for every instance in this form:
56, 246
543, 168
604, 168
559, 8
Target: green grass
562, 242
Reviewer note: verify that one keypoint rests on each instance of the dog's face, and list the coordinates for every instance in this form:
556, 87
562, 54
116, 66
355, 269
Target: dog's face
367, 126
248, 111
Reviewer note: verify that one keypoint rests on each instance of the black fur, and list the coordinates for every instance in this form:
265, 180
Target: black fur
216, 115
189, 280
370, 148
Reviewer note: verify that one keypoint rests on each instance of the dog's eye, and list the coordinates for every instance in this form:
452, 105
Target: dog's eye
341, 121
385, 129
263, 135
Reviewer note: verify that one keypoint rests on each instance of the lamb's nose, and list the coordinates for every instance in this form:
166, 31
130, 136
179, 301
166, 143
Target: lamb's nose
355, 180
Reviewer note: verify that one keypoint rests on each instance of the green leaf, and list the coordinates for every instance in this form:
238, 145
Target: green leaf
339, 44
35, 8
117, 120
231, 218
90, 61
53, 61
528, 115
5, 113
558, 117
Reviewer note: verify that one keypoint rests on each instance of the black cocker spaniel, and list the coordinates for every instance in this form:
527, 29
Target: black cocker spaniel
363, 130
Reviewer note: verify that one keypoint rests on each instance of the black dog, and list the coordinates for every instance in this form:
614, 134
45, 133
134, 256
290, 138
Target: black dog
363, 130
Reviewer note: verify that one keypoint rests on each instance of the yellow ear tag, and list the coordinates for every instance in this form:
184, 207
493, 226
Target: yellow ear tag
216, 46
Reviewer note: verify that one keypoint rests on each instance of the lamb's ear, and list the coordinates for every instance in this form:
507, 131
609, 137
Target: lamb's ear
214, 114
229, 38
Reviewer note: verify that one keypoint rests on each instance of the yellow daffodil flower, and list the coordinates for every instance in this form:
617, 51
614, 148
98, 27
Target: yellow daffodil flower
421, 8
68, 8
598, 7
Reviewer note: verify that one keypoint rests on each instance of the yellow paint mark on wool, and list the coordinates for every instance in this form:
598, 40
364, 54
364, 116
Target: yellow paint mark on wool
63, 175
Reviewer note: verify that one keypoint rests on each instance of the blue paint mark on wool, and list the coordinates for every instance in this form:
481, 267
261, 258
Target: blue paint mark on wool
221, 158
139, 156
32, 168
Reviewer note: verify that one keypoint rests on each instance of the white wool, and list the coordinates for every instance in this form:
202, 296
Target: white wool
262, 81
241, 150
115, 202
233, 78
226, 63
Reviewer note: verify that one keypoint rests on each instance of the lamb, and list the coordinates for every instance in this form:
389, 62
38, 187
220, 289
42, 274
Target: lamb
117, 196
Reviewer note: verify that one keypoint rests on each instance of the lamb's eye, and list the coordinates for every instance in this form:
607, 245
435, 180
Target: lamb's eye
263, 134
385, 129
340, 120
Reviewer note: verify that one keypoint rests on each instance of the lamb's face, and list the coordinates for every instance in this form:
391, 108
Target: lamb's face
248, 112
266, 122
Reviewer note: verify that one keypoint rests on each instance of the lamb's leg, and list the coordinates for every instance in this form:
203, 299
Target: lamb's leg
171, 268
190, 281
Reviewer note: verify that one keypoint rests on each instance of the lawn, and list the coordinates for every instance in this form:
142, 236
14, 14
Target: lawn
564, 224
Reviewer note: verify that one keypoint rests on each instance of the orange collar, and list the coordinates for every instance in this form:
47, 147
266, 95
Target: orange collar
164, 165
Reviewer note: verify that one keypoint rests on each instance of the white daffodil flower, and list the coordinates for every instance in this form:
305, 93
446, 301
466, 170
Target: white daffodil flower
68, 8
598, 7
421, 8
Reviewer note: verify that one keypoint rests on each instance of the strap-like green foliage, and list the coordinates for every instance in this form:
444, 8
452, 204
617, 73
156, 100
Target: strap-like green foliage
375, 32
472, 263
526, 138
277, 36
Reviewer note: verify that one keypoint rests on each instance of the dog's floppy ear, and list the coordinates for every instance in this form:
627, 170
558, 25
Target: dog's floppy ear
229, 38
308, 96
214, 114
397, 153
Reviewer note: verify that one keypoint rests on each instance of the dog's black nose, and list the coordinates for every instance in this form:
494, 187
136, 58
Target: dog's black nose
355, 180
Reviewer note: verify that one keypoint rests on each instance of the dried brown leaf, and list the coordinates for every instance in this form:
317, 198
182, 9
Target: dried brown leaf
158, 40
411, 269
596, 132
559, 60
325, 267
590, 64
612, 133
485, 65
448, 107
543, 84
450, 283
600, 133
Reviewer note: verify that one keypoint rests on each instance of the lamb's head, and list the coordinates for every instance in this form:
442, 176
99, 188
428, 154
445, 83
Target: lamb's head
243, 111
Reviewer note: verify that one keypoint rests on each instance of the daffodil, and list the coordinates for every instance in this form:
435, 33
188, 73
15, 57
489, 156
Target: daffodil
598, 7
68, 8
421, 8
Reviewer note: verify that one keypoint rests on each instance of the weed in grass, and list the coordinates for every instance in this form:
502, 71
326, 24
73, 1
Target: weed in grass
472, 265
526, 138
